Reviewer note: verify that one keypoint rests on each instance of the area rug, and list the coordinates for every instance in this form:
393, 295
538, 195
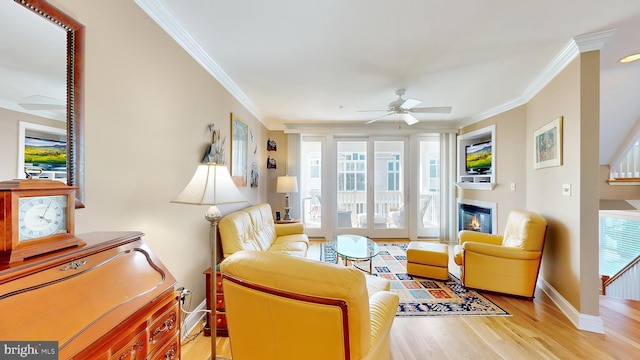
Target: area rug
420, 296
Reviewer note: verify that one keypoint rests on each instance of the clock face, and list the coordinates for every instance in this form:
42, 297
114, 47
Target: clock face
42, 216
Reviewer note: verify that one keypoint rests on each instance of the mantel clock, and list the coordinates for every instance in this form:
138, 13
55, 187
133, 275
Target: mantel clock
36, 217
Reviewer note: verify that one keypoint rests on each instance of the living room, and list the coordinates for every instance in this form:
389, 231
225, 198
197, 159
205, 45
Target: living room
148, 104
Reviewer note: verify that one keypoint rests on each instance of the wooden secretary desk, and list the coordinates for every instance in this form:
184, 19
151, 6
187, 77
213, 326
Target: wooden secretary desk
110, 298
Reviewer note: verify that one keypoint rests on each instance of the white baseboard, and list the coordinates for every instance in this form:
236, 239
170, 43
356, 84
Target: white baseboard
580, 321
194, 318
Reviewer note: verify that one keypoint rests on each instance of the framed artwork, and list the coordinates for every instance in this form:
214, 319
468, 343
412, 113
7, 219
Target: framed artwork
547, 142
272, 145
239, 150
271, 163
43, 147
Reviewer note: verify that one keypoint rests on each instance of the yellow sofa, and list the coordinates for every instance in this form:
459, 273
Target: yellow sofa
506, 263
285, 307
253, 228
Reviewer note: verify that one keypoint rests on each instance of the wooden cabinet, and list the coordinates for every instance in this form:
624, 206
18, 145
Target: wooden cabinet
221, 317
109, 299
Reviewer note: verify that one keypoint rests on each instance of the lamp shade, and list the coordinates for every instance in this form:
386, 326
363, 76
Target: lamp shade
210, 185
287, 184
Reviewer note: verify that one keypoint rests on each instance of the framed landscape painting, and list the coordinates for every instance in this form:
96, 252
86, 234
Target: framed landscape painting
547, 142
43, 147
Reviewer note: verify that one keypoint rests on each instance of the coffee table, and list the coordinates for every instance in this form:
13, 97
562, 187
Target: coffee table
354, 248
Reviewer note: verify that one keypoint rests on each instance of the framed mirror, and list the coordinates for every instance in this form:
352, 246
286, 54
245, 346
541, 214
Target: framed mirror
38, 68
239, 150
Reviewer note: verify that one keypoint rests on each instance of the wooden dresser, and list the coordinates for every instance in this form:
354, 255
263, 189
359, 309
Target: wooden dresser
109, 299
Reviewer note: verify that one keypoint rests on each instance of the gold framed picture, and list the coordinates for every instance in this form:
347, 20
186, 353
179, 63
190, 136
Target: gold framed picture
547, 142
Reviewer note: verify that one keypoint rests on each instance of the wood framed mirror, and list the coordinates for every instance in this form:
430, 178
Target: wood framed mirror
75, 33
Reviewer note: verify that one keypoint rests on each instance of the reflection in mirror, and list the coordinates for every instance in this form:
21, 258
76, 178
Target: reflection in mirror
41, 78
239, 150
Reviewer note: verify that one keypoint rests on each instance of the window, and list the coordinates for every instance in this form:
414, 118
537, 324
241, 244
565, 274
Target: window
393, 173
314, 166
352, 172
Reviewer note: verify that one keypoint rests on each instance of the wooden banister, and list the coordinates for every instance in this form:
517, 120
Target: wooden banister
606, 280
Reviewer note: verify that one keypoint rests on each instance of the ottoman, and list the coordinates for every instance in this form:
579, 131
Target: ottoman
425, 259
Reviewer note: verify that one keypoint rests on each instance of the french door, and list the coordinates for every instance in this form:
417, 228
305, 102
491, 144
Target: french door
370, 191
375, 186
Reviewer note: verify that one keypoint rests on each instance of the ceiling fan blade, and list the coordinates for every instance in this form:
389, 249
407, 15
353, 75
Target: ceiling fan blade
409, 103
372, 110
378, 118
28, 106
409, 119
433, 110
41, 102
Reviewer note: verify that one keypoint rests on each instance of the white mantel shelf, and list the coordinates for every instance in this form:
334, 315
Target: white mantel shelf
476, 185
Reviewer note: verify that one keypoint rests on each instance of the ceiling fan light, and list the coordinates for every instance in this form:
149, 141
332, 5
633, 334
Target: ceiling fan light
630, 58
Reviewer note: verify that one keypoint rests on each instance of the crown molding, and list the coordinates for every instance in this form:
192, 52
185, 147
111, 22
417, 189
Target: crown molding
576, 46
171, 26
593, 41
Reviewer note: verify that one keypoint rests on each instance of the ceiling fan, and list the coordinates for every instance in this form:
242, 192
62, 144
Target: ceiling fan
404, 108
41, 102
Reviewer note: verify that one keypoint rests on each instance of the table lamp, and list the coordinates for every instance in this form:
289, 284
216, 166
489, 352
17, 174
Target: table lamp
287, 184
212, 185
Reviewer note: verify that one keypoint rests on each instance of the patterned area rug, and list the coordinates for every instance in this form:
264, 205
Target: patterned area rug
420, 296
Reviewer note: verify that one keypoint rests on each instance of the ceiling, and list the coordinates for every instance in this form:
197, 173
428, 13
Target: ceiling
305, 62
294, 61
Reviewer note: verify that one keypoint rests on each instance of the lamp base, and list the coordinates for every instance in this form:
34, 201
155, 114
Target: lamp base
287, 215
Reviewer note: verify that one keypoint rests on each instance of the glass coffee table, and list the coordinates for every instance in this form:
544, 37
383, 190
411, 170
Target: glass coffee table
354, 249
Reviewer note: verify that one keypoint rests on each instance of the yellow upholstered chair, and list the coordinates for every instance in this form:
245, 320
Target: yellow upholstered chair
506, 263
286, 307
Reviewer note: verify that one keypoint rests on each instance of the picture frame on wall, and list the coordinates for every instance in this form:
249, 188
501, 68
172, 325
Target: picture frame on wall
547, 142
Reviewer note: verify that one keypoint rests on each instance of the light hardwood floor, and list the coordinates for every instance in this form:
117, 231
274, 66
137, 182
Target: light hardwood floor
535, 330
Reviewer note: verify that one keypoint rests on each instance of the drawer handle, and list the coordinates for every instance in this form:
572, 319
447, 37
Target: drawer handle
171, 353
167, 325
132, 351
74, 265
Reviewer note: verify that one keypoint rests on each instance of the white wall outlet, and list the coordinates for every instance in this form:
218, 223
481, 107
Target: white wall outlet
513, 186
566, 189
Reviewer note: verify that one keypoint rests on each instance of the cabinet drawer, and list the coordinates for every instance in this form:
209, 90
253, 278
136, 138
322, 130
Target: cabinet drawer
221, 320
220, 302
164, 324
218, 282
131, 349
168, 351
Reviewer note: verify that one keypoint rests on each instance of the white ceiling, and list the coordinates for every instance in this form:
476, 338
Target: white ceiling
292, 61
33, 62
298, 61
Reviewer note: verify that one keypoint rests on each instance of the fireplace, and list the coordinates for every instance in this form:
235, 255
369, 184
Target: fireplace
477, 216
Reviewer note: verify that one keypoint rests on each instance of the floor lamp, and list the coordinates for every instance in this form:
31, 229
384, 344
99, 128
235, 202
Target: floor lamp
287, 184
211, 185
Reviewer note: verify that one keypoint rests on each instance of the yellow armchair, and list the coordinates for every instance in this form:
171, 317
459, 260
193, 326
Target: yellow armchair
507, 263
285, 307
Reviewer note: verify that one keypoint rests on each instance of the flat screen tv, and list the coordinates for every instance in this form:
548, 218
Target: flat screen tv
477, 158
